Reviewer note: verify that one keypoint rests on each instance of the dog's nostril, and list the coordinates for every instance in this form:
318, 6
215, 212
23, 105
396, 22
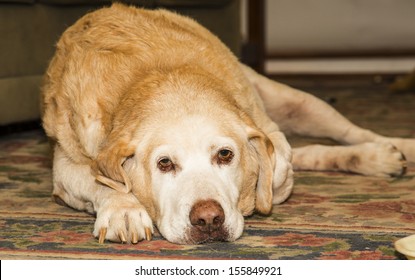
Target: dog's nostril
217, 220
207, 215
201, 222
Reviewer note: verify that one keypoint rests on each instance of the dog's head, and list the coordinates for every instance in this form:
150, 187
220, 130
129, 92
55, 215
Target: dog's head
194, 159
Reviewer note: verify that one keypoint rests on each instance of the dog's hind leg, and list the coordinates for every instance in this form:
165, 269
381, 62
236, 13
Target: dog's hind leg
297, 112
301, 113
120, 216
372, 159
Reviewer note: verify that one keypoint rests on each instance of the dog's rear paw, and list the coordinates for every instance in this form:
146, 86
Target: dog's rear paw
123, 219
405, 145
379, 159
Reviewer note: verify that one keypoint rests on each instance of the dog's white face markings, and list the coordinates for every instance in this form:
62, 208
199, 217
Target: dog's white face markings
195, 162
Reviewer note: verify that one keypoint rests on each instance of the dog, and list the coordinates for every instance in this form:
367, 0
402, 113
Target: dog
153, 121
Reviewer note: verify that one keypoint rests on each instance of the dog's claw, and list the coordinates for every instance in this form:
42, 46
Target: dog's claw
134, 238
102, 234
148, 234
122, 236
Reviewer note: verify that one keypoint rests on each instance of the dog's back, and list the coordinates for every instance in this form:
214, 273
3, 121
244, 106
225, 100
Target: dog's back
102, 55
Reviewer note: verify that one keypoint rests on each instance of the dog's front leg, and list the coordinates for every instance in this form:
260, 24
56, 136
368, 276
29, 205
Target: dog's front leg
120, 216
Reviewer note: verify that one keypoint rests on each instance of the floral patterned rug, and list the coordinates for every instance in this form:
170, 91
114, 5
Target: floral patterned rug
329, 216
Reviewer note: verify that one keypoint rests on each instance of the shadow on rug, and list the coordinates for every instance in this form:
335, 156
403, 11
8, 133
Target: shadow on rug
329, 215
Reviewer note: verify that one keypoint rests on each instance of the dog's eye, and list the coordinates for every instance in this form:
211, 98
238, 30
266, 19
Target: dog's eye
224, 156
165, 164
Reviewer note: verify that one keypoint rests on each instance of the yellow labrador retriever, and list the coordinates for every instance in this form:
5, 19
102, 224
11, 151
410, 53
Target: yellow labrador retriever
154, 121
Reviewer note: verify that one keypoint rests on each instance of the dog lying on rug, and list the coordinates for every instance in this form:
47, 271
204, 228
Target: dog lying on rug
154, 121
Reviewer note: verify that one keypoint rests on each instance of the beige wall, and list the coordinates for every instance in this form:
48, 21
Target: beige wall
340, 26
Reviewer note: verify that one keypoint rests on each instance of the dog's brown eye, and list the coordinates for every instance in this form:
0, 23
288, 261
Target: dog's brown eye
225, 156
165, 164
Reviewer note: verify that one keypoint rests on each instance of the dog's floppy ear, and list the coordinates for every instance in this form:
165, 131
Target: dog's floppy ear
265, 154
108, 165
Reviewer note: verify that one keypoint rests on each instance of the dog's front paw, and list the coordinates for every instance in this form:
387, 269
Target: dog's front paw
121, 218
